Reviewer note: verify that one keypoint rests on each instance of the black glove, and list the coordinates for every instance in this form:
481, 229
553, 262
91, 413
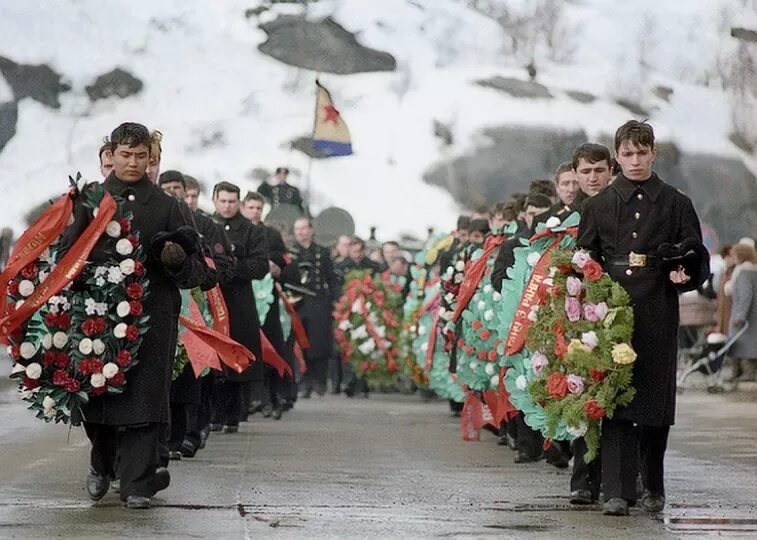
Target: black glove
184, 236
173, 255
687, 254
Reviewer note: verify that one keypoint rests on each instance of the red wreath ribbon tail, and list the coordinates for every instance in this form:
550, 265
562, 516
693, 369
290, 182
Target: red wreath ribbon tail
533, 295
201, 354
69, 267
504, 410
427, 306
573, 231
273, 358
471, 418
432, 342
300, 335
218, 310
41, 235
473, 275
233, 354
300, 357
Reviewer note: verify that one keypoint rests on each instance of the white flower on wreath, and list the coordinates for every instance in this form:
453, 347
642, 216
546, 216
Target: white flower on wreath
521, 383
123, 309
533, 258
533, 313
127, 266
422, 330
590, 339
26, 288
488, 315
459, 266
357, 306
381, 331
100, 281
473, 365
89, 306
494, 381
85, 346
115, 276
120, 330
552, 222
481, 305
360, 332
424, 346
46, 256
19, 304
458, 278
27, 350
343, 325
124, 247
576, 432
489, 369
553, 271
367, 347
101, 271
47, 341
98, 346
496, 296
59, 340
33, 371
97, 380
109, 370
48, 403
42, 276
449, 297
113, 229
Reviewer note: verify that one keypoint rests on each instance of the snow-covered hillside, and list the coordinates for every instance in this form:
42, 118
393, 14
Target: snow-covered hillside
226, 108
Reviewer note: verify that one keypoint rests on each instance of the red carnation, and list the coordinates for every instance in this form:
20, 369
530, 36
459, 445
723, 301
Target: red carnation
364, 366
134, 291
123, 358
135, 308
95, 365
476, 324
597, 375
379, 298
460, 343
592, 271
139, 269
118, 379
374, 366
481, 355
125, 225
557, 385
62, 360
132, 333
469, 350
485, 335
63, 321
72, 386
561, 347
93, 327
593, 410
49, 358
133, 239
51, 319
99, 391
60, 377
31, 384
13, 287
29, 271
492, 355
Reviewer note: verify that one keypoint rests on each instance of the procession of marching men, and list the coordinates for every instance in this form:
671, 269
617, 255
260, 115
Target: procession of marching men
549, 319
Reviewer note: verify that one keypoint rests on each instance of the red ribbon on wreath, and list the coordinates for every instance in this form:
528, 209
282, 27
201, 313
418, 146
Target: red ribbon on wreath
300, 335
69, 267
474, 273
534, 293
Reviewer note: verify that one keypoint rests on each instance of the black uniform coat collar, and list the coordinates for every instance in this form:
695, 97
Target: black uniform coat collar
141, 189
234, 223
625, 188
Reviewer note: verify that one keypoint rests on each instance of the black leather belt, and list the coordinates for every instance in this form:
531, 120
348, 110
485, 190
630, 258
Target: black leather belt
634, 260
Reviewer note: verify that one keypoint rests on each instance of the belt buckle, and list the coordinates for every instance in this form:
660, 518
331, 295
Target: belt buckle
637, 260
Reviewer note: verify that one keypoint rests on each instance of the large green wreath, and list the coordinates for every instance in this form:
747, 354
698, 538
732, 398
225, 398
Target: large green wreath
84, 340
577, 368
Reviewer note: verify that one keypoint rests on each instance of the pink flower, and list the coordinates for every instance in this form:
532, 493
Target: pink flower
575, 384
574, 286
539, 362
580, 258
572, 308
601, 310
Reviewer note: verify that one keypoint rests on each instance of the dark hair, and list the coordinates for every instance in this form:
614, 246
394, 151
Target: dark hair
478, 225
539, 200
254, 196
192, 183
357, 241
506, 210
131, 134
390, 243
593, 153
563, 168
638, 133
544, 187
104, 148
463, 222
225, 186
282, 170
518, 201
172, 176
482, 209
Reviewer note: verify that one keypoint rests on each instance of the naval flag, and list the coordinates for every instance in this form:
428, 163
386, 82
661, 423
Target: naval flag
330, 133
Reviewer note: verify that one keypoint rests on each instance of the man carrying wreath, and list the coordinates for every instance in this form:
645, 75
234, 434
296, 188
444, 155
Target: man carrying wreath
647, 236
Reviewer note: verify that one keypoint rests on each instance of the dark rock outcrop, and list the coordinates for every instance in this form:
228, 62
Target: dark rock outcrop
117, 83
322, 46
40, 83
8, 120
516, 87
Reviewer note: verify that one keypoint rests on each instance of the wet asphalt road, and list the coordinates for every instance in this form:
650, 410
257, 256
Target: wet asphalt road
390, 466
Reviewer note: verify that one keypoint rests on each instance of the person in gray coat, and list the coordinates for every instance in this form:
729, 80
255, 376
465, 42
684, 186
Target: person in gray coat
744, 310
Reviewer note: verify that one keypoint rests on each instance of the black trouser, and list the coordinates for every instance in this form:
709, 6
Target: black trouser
586, 476
335, 370
528, 441
228, 400
199, 416
626, 450
137, 449
179, 423
315, 376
